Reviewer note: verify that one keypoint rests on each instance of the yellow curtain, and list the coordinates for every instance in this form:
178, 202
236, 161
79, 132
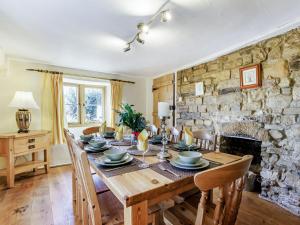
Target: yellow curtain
53, 107
116, 100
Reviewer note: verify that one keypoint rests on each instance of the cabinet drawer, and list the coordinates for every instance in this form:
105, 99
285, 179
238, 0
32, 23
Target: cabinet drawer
24, 145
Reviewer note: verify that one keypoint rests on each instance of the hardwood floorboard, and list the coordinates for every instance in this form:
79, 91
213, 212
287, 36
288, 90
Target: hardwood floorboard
46, 199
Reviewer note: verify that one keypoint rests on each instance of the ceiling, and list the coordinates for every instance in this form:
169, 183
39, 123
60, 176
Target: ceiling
90, 34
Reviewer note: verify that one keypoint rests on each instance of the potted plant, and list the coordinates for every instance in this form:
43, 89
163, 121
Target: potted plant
131, 118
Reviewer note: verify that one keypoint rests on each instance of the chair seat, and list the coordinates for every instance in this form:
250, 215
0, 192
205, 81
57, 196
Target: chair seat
113, 211
100, 186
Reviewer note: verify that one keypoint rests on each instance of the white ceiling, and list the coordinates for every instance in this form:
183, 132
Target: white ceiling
90, 34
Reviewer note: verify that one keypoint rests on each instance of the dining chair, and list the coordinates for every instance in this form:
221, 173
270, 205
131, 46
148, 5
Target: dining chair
175, 135
98, 183
153, 130
230, 180
104, 208
205, 140
95, 130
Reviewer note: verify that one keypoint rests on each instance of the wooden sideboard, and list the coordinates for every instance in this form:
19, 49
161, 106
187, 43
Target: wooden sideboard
13, 145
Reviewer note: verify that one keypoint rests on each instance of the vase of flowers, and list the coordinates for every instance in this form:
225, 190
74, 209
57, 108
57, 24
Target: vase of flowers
129, 117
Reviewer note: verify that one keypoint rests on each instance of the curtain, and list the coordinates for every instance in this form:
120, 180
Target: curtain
116, 100
53, 107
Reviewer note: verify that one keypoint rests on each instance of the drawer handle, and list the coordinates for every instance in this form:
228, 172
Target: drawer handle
31, 140
31, 146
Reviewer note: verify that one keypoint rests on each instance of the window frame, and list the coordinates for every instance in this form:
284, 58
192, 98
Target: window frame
81, 103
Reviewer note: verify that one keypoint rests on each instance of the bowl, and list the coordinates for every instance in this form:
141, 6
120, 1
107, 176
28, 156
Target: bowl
86, 138
157, 137
115, 154
97, 144
109, 133
189, 156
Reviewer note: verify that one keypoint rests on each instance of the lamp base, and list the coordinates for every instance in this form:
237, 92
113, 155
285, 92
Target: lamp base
23, 119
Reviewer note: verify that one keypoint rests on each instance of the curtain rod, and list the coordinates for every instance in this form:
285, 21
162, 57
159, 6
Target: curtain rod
78, 75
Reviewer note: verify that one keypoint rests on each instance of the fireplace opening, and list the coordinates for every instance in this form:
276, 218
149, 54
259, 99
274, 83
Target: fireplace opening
243, 145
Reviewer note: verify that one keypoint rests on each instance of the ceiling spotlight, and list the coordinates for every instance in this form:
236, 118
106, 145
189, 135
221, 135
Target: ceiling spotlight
166, 16
140, 39
127, 48
143, 27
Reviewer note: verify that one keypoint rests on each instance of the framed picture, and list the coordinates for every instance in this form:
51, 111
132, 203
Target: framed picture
199, 89
250, 77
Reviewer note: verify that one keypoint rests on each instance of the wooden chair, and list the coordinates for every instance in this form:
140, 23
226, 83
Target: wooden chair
205, 140
95, 130
176, 135
98, 183
230, 180
152, 130
104, 208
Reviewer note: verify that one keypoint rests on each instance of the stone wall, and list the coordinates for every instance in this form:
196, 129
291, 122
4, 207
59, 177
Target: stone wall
269, 113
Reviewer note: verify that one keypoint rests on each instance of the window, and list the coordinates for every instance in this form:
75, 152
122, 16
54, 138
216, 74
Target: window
83, 104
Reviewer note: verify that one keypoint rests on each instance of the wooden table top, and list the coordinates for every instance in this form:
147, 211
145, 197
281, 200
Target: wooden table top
146, 184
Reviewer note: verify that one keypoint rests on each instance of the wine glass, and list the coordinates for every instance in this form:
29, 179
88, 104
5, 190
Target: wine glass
144, 164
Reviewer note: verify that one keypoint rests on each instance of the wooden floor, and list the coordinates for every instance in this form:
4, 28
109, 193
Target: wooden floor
46, 200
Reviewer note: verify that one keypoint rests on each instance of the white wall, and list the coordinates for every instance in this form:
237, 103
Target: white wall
16, 78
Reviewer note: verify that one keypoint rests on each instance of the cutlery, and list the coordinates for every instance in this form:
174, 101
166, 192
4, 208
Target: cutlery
170, 171
108, 170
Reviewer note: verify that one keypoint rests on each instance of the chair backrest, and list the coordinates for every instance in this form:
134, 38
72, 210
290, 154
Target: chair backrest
88, 188
176, 135
230, 179
204, 139
69, 138
153, 130
95, 130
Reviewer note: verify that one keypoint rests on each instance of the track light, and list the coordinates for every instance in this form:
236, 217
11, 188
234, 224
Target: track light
140, 39
127, 48
166, 16
143, 27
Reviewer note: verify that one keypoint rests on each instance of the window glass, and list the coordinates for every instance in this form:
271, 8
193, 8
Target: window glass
93, 104
71, 102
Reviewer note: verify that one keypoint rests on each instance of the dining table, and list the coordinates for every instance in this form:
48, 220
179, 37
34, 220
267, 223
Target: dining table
138, 188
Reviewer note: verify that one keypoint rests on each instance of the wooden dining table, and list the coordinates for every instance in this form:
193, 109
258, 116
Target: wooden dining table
138, 188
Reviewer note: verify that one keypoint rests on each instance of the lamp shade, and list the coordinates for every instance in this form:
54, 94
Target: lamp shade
163, 109
23, 100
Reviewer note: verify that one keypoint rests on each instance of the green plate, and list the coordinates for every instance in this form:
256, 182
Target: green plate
108, 161
193, 148
204, 164
89, 148
180, 163
101, 161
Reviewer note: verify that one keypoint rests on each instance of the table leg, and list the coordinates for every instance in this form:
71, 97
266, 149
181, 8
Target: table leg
47, 159
10, 165
136, 214
34, 158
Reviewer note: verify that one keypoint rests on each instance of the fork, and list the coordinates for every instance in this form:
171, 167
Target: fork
160, 166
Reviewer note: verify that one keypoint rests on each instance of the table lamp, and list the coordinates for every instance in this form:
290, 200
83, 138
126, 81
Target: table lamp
163, 114
23, 100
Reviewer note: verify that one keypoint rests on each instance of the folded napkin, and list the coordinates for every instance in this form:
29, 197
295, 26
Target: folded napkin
143, 141
102, 128
119, 133
188, 136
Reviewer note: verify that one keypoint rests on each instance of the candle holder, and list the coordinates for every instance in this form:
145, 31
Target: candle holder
163, 154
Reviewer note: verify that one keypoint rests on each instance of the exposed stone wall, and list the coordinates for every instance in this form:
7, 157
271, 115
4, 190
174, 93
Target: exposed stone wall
269, 113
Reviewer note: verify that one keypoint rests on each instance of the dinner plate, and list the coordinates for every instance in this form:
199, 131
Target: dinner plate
180, 163
202, 166
101, 161
108, 161
89, 148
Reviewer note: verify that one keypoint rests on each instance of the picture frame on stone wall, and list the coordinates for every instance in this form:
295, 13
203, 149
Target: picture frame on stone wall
250, 76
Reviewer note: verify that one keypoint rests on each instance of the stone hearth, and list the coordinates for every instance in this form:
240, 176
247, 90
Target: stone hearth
269, 113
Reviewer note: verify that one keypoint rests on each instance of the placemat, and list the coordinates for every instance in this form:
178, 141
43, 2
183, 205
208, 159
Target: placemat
120, 143
183, 173
108, 172
153, 150
221, 157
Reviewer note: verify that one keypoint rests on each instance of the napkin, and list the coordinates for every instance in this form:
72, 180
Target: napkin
119, 133
102, 128
188, 136
143, 141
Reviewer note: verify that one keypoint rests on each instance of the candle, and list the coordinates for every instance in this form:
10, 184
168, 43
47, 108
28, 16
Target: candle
163, 109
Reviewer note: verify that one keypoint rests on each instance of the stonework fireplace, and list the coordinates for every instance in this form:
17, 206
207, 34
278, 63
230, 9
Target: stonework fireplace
268, 115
